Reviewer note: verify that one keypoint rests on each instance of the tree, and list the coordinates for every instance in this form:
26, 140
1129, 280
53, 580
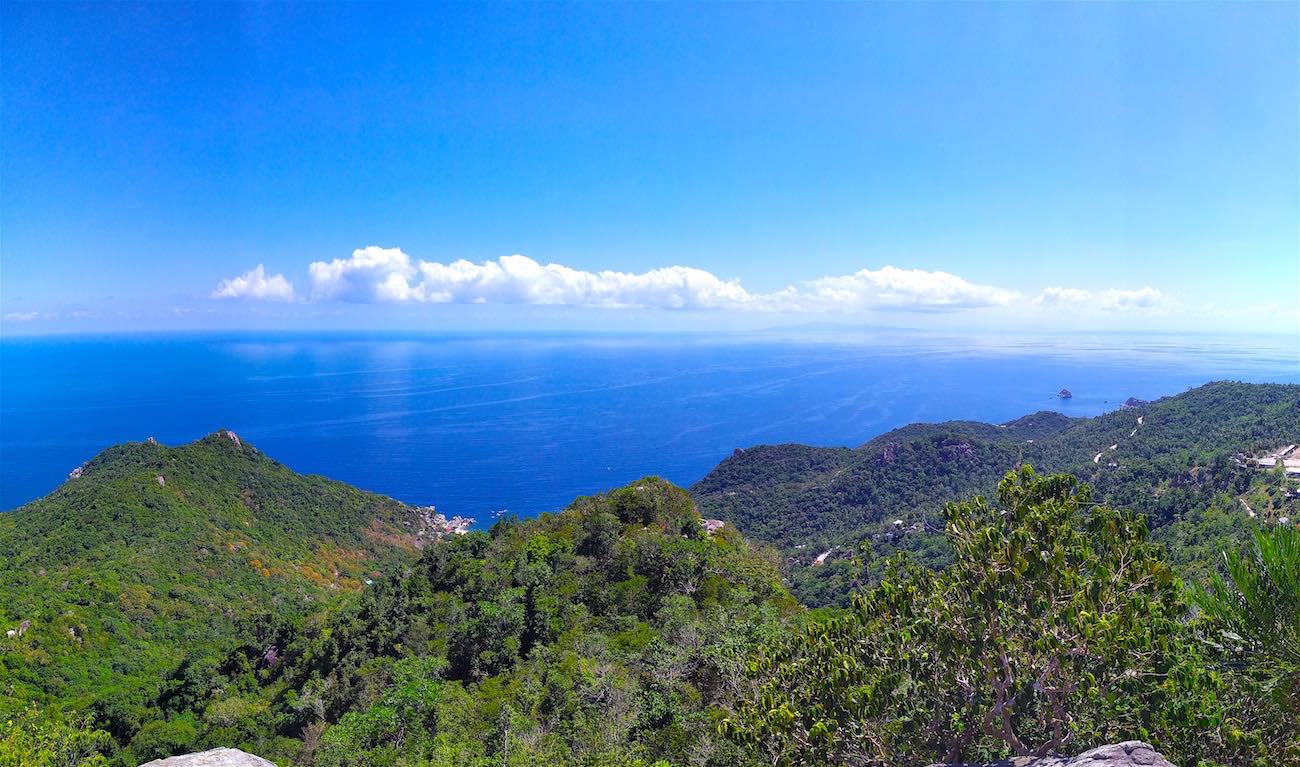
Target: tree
1057, 626
1258, 605
1255, 614
33, 739
162, 738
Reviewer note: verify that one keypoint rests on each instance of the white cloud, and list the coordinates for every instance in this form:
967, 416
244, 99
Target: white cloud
894, 288
375, 274
1052, 296
389, 275
1112, 299
255, 284
23, 316
1142, 298
371, 274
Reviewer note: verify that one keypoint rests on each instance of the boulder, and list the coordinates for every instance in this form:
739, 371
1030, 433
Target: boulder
1133, 753
217, 757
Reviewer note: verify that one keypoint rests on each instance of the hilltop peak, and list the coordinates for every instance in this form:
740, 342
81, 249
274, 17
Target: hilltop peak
150, 454
225, 438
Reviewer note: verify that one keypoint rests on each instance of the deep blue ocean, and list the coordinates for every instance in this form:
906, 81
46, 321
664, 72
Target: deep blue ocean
474, 424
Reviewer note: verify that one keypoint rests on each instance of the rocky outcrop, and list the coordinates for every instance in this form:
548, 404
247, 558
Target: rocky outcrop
437, 525
953, 449
217, 757
1133, 753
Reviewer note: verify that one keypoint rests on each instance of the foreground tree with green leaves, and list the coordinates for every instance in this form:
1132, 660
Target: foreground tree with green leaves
34, 738
1255, 616
1058, 627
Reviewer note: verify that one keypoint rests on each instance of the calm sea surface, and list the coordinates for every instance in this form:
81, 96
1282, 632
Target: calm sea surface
474, 424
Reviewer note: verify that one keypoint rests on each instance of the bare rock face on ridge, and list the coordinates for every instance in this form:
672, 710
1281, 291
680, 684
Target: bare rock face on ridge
1133, 753
217, 757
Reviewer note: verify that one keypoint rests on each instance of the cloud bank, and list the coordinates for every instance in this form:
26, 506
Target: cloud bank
375, 275
255, 284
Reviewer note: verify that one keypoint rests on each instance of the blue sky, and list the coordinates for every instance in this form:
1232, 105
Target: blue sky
1083, 166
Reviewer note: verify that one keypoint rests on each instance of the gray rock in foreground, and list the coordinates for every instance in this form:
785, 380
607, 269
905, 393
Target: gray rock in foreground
1133, 753
217, 757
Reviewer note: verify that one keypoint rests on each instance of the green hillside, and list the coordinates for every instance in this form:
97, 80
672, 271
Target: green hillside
612, 633
153, 553
1180, 468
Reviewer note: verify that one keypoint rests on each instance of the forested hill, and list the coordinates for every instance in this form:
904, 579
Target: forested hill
150, 552
613, 633
1176, 460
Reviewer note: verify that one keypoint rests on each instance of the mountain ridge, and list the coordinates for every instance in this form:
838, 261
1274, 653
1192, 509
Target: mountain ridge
1170, 458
